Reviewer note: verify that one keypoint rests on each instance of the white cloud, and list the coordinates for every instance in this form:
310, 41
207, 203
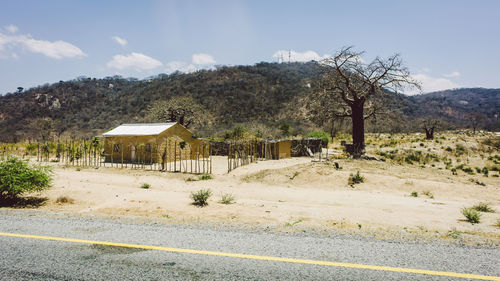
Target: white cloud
56, 49
293, 56
180, 66
452, 75
11, 28
432, 84
137, 61
203, 59
198, 62
120, 40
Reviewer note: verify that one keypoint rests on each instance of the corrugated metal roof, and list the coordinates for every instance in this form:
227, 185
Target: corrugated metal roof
144, 129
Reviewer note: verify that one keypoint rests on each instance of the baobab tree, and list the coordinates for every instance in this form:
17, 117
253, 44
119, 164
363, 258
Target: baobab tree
429, 125
361, 89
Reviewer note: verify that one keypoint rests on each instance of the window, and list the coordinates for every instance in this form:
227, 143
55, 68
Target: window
116, 148
148, 147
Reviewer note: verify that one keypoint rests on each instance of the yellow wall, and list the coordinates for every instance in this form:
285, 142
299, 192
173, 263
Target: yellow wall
285, 149
166, 143
276, 150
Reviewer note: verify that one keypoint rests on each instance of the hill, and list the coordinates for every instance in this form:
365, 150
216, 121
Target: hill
454, 105
265, 93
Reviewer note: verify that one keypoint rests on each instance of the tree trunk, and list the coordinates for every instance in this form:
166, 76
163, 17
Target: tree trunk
429, 133
332, 129
358, 129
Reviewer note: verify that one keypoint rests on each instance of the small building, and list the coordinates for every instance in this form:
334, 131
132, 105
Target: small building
152, 143
270, 149
275, 149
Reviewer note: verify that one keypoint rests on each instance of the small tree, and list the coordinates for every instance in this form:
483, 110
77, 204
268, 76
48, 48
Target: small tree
285, 129
320, 135
183, 110
429, 125
475, 120
17, 177
237, 133
43, 127
351, 84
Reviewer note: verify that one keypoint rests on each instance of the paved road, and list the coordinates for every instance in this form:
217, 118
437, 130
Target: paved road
36, 258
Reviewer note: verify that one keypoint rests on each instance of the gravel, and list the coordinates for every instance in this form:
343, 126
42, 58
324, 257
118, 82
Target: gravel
31, 259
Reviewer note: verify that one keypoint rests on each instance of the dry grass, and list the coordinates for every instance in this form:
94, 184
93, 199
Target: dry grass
483, 207
278, 192
227, 199
65, 200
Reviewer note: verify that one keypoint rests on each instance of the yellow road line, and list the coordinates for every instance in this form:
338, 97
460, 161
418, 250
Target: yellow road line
264, 258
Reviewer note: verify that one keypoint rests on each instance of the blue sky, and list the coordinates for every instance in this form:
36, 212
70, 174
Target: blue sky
445, 44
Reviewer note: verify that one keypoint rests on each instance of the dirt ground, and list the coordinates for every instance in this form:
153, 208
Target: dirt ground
293, 194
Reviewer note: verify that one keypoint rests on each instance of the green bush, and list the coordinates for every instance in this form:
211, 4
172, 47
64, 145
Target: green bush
485, 171
464, 168
468, 170
18, 176
205, 177
414, 194
325, 138
238, 132
145, 186
285, 129
355, 178
227, 199
414, 157
200, 197
471, 215
460, 149
483, 207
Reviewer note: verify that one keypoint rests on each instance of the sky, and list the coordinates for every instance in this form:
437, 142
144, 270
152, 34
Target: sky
445, 44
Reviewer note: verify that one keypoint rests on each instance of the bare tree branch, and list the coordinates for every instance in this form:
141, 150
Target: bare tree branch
348, 82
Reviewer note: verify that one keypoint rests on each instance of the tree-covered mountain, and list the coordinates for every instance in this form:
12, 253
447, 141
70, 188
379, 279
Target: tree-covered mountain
268, 94
455, 105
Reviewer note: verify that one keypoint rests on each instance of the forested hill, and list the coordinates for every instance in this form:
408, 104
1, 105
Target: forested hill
265, 93
454, 105
238, 94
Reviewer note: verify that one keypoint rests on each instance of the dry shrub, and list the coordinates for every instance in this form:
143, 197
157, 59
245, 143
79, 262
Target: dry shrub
65, 200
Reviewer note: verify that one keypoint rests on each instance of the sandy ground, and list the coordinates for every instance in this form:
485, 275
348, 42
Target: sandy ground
290, 194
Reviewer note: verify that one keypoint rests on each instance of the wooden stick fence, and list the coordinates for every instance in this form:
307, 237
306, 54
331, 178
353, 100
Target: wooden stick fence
171, 156
321, 155
241, 153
